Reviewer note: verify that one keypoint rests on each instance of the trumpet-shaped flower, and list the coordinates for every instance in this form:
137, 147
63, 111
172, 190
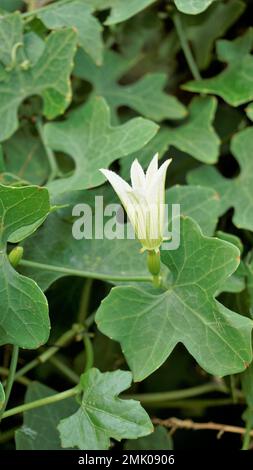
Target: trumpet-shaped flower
144, 200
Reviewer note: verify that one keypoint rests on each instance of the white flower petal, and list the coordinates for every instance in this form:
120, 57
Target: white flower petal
156, 189
152, 170
120, 186
138, 179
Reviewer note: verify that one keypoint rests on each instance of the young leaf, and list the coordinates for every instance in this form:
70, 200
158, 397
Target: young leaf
88, 137
236, 192
192, 7
146, 96
49, 78
24, 311
39, 430
234, 84
218, 338
77, 15
102, 415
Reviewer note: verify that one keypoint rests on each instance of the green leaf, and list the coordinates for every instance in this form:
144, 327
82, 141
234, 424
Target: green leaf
25, 157
122, 10
11, 5
39, 430
234, 84
197, 137
202, 30
146, 96
159, 144
236, 192
55, 247
236, 282
49, 78
200, 203
2, 396
192, 7
102, 415
88, 137
219, 339
24, 310
160, 439
78, 16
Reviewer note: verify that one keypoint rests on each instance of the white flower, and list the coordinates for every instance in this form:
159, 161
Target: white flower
144, 200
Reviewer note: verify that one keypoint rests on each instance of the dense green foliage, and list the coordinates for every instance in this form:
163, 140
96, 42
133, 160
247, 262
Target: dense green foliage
101, 355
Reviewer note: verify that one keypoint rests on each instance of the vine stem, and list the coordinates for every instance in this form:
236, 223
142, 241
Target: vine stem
248, 432
185, 47
175, 423
22, 380
10, 378
89, 353
64, 340
42, 402
153, 398
85, 300
77, 272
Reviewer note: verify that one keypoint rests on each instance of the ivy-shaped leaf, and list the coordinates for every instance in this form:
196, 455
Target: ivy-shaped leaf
49, 78
218, 338
236, 192
102, 414
54, 247
88, 137
24, 311
76, 14
39, 430
192, 7
146, 96
197, 137
235, 83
